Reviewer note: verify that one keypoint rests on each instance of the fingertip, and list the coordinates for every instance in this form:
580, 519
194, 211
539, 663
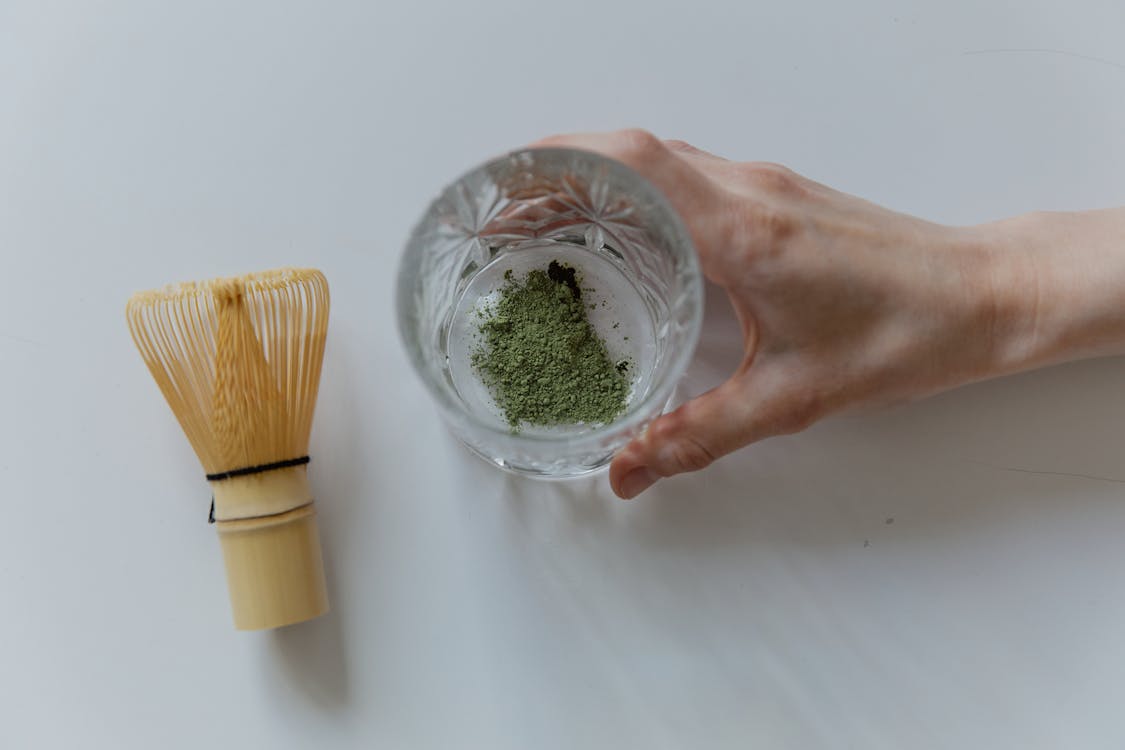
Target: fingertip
628, 461
685, 149
635, 482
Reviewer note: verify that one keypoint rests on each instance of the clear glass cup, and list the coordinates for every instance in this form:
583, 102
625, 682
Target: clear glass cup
517, 213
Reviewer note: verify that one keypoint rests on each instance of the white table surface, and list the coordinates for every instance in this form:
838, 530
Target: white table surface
945, 574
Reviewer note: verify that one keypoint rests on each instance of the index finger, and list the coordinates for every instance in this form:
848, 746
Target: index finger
692, 194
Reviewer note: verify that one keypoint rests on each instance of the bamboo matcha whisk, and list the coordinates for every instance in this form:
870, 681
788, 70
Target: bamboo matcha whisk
238, 360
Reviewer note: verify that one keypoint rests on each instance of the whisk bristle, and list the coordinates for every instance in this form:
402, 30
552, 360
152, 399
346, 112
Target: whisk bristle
238, 360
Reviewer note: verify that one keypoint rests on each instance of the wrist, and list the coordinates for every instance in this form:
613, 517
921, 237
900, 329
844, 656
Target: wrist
1054, 287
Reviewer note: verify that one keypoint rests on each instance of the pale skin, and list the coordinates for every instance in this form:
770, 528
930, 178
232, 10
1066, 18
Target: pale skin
844, 304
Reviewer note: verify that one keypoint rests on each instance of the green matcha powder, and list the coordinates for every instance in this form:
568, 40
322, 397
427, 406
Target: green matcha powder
540, 357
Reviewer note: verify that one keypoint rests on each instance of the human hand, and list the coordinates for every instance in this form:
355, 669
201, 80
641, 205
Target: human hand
842, 303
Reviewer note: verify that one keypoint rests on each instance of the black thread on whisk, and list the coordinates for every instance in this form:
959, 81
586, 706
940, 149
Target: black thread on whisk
247, 471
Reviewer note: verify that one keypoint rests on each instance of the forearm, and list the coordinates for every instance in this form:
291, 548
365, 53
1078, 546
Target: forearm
1057, 281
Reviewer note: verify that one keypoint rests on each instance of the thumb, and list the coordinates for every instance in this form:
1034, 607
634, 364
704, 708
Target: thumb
687, 439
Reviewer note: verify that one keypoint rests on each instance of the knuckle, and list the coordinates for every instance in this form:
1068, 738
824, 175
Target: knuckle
772, 177
759, 229
638, 146
675, 144
688, 454
557, 140
664, 430
673, 447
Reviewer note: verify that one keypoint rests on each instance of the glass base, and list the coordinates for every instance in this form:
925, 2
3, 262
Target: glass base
557, 474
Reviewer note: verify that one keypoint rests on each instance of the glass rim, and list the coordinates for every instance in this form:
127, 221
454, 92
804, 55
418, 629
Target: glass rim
637, 412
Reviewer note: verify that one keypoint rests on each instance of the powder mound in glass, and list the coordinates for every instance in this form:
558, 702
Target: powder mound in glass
540, 357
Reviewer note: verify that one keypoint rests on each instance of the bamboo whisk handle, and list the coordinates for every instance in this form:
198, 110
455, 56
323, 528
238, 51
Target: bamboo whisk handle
271, 546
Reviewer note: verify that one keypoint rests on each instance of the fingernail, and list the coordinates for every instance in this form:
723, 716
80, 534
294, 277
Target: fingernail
637, 481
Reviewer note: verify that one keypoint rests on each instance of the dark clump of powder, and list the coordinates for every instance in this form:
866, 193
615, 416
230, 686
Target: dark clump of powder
541, 358
561, 274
